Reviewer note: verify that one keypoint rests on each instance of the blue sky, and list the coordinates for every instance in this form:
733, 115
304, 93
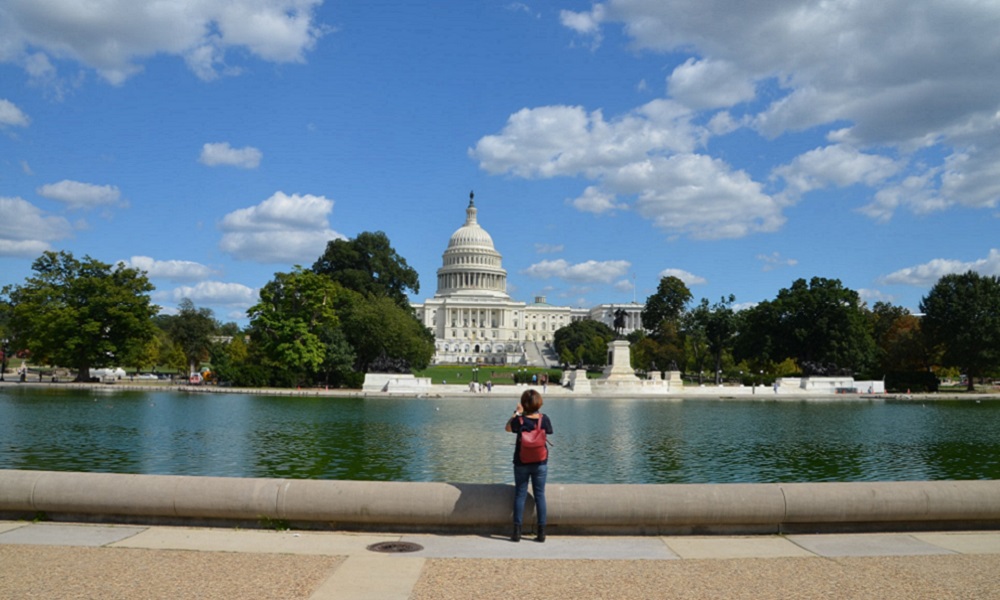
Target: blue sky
739, 146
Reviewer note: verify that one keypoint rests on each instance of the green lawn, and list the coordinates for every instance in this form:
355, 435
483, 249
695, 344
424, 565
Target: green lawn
498, 374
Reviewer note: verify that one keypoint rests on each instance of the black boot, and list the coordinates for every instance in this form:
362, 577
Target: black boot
541, 534
516, 536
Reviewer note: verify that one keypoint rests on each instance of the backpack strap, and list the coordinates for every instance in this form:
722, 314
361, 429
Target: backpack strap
540, 418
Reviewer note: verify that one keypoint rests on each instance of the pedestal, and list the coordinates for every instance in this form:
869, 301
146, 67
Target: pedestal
620, 363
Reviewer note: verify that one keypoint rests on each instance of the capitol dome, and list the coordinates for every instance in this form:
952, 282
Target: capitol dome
471, 265
471, 234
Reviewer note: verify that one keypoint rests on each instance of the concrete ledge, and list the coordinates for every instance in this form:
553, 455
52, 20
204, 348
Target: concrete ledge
578, 508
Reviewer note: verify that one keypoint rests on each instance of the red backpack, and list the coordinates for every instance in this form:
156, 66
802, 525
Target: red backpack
533, 449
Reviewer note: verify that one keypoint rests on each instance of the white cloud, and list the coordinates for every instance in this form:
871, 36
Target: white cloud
927, 274
775, 260
701, 84
584, 23
915, 192
114, 36
839, 165
884, 82
548, 248
872, 296
173, 270
81, 195
554, 141
685, 276
223, 154
215, 292
723, 122
25, 230
39, 67
625, 285
699, 196
282, 229
647, 155
969, 176
597, 201
591, 271
522, 7
10, 114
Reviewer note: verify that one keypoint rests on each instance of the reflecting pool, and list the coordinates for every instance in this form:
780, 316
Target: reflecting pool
462, 440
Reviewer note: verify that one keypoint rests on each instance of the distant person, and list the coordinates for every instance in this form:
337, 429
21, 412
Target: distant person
529, 462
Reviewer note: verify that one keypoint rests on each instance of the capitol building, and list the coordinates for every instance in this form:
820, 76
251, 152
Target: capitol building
474, 320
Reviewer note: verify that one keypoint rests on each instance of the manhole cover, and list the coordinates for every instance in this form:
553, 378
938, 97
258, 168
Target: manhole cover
394, 547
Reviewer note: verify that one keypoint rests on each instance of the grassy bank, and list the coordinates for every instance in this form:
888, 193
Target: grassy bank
499, 375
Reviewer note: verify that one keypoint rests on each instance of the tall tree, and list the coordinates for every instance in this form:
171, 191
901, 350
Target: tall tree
901, 346
378, 328
667, 304
717, 323
192, 330
368, 264
576, 341
664, 318
696, 347
962, 317
758, 339
820, 323
286, 325
81, 313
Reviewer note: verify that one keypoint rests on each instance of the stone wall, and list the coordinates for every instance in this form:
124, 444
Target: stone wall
458, 507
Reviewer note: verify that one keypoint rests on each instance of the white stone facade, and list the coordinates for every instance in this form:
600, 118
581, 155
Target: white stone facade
474, 320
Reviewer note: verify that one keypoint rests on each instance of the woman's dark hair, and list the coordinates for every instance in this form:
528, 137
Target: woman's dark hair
531, 401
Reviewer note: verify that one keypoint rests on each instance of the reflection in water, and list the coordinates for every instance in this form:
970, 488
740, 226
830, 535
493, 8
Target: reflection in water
462, 440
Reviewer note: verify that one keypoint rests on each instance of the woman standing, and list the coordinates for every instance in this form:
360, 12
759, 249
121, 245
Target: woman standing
527, 419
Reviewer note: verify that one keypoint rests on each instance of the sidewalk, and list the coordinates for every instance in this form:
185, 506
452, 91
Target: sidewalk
69, 561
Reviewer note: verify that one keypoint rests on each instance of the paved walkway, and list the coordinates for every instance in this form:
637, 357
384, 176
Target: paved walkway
67, 561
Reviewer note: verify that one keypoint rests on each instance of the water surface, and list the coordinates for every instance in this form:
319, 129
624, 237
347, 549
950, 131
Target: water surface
462, 440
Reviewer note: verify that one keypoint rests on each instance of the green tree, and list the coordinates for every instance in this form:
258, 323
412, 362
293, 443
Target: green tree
757, 334
169, 354
143, 356
696, 347
229, 329
667, 344
664, 318
368, 264
232, 363
81, 313
577, 341
714, 327
962, 317
286, 325
901, 346
650, 355
821, 324
720, 330
378, 327
666, 304
338, 366
192, 330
